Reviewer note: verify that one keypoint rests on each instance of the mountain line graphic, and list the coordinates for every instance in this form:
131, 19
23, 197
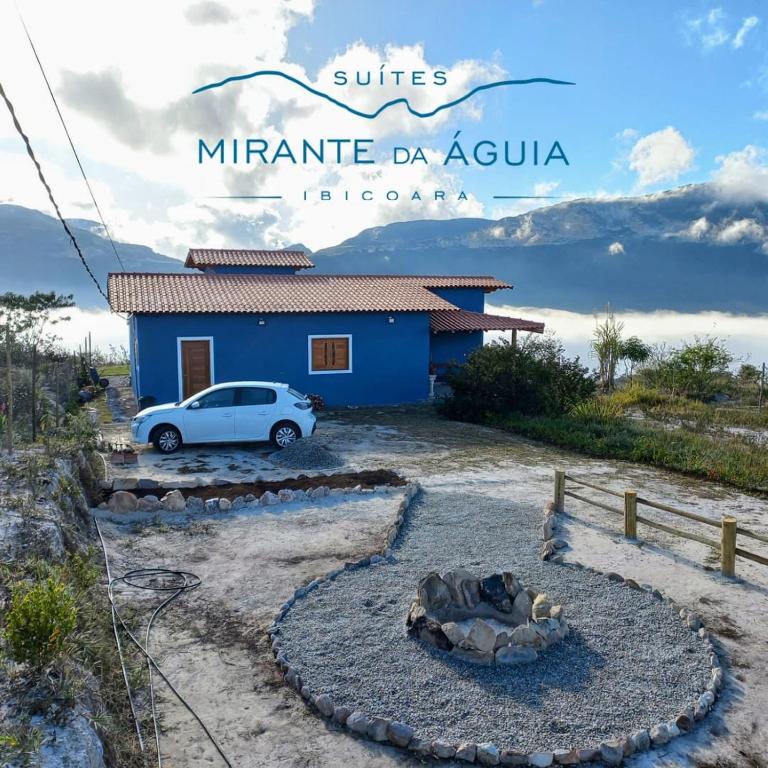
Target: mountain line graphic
386, 105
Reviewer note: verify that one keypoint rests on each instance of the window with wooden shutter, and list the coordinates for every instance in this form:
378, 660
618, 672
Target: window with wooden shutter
330, 354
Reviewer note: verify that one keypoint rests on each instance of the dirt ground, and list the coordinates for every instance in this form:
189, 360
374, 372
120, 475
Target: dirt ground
211, 642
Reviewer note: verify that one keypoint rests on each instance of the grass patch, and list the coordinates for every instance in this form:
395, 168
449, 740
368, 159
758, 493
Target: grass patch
114, 370
726, 460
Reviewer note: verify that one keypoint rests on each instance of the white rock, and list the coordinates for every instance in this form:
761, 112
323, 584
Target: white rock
174, 501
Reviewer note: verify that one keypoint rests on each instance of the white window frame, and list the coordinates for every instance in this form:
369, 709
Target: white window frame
179, 339
347, 336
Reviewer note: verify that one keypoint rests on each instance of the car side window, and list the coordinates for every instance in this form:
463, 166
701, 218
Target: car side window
256, 396
219, 398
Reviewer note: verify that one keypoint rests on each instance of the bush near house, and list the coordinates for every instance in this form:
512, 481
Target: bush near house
533, 378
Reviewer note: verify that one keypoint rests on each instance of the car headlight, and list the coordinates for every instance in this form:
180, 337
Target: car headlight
303, 405
139, 419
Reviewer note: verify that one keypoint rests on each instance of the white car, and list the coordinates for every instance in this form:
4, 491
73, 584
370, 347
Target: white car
238, 411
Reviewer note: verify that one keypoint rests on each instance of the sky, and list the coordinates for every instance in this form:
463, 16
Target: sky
663, 94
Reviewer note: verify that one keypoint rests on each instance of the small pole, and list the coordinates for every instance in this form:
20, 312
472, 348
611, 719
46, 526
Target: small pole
630, 514
728, 546
559, 490
762, 385
514, 337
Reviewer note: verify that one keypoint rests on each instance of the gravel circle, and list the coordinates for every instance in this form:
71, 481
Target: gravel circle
306, 454
629, 662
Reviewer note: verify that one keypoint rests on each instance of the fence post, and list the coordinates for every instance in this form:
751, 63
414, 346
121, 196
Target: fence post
559, 490
630, 514
728, 546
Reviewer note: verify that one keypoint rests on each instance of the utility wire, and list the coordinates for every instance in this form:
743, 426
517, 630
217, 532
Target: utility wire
55, 205
71, 143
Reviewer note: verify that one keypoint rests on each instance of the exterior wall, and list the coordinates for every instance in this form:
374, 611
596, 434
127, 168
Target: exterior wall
471, 299
224, 270
453, 347
390, 361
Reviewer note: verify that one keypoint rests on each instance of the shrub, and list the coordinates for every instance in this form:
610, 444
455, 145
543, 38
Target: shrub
533, 378
39, 622
597, 409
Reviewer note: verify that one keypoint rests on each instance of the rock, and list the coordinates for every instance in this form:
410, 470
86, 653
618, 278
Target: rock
559, 543
641, 740
377, 730
454, 580
306, 694
612, 752
238, 502
174, 501
493, 591
511, 584
430, 631
341, 714
249, 497
433, 593
324, 704
471, 590
632, 584
122, 501
673, 730
588, 755
629, 747
443, 750
147, 482
268, 499
510, 757
211, 505
487, 754
556, 612
512, 654
417, 612
541, 759
684, 721
148, 503
74, 743
317, 493
473, 656
195, 504
541, 607
547, 550
521, 608
285, 495
225, 505
694, 622
481, 636
454, 632
420, 746
358, 722
548, 528
524, 635
614, 577
399, 734
466, 752
566, 757
707, 699
659, 735
125, 483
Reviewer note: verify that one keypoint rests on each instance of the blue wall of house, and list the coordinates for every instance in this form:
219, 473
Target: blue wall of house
472, 299
453, 347
390, 361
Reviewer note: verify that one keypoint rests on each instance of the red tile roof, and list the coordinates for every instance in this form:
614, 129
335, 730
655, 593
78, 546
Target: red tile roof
461, 320
203, 257
155, 292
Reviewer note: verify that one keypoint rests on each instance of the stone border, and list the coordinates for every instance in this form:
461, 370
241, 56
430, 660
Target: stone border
399, 734
173, 501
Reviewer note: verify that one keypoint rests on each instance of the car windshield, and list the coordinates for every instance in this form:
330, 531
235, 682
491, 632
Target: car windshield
298, 395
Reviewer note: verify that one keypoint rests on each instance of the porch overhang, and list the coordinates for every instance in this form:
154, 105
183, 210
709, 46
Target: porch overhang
452, 321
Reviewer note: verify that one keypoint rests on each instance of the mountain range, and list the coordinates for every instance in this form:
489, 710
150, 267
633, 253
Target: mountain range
687, 249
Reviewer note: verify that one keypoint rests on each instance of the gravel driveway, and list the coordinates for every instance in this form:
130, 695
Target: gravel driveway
629, 662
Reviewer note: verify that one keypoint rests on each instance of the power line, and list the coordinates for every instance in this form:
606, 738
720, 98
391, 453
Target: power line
64, 224
71, 143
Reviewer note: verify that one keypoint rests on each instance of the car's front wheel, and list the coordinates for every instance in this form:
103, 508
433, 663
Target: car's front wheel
284, 433
166, 439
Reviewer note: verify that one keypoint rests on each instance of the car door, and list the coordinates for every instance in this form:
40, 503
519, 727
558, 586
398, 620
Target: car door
254, 412
211, 418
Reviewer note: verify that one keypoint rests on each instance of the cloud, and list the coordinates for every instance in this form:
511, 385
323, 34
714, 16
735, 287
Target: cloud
711, 30
740, 230
208, 12
615, 248
729, 232
698, 229
544, 188
743, 175
761, 114
628, 134
660, 156
749, 23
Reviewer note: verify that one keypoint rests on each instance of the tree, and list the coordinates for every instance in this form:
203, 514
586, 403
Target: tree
634, 352
24, 319
699, 367
607, 347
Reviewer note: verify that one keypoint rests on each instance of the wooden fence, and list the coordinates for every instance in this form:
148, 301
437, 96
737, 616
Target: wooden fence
726, 545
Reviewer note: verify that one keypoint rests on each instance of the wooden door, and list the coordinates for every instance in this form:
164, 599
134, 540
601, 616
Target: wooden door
195, 366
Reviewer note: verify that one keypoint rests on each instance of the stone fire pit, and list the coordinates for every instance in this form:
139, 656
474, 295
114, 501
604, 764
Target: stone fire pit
490, 620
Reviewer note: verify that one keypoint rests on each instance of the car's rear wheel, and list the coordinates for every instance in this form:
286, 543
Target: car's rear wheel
284, 433
166, 439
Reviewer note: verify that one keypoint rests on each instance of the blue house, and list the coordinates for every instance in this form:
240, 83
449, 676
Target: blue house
257, 315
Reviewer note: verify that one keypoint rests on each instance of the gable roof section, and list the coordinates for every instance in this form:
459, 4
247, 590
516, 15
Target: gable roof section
204, 257
160, 293
462, 320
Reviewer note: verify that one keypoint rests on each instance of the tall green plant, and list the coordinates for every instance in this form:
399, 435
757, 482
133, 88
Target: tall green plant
607, 348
